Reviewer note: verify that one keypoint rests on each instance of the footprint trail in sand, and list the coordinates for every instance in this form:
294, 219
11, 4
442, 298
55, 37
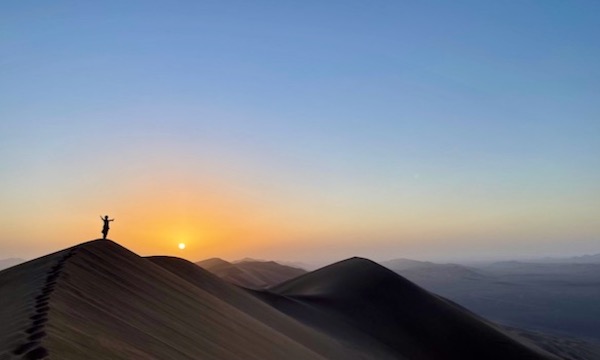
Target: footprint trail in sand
31, 348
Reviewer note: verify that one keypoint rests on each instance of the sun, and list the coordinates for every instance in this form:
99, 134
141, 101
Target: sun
181, 246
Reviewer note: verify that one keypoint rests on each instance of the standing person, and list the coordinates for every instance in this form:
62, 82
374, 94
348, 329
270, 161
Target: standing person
105, 228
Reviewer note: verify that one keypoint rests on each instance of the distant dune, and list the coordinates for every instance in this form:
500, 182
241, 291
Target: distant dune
98, 300
249, 273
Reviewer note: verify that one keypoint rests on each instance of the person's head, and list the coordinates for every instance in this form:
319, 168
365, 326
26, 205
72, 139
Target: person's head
106, 217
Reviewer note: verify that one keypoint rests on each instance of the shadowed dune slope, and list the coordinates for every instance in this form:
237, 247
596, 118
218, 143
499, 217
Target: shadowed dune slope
243, 301
413, 322
100, 301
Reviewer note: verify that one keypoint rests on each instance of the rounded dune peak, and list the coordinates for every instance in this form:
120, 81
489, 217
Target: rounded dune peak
345, 278
413, 322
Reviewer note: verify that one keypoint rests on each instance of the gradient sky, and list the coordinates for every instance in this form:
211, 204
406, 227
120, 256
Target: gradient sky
301, 130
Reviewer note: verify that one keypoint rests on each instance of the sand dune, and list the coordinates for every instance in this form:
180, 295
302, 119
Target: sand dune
245, 302
411, 321
105, 302
98, 300
25, 293
252, 274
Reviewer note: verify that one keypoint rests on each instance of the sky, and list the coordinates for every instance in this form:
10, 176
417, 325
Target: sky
303, 131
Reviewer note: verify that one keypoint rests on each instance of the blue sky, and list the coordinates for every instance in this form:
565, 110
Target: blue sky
403, 116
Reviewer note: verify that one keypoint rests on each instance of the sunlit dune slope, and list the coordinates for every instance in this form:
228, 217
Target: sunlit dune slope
410, 320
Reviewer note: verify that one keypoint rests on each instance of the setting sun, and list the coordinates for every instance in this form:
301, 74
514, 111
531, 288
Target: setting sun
181, 246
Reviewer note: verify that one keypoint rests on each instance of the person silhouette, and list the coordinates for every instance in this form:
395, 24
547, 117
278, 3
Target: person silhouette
105, 228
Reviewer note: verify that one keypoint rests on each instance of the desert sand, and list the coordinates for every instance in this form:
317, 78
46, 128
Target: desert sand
99, 300
251, 274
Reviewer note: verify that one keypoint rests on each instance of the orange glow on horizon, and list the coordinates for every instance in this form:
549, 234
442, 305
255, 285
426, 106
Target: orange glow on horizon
206, 218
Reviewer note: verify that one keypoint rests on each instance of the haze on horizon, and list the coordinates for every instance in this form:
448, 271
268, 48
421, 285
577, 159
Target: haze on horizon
301, 131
